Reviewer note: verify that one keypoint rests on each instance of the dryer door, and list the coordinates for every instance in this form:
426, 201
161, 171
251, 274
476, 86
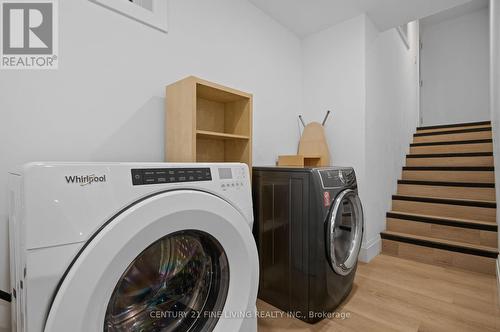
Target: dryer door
176, 261
345, 232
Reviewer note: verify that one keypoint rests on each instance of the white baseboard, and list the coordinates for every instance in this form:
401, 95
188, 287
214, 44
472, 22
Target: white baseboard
370, 250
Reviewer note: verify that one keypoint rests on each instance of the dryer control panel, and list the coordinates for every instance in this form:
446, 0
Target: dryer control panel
169, 175
337, 178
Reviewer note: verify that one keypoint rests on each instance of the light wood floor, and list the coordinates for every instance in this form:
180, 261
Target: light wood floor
393, 294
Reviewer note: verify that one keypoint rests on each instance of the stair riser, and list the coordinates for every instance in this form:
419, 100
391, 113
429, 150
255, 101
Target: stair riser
453, 137
445, 210
459, 234
451, 128
451, 176
450, 161
485, 194
439, 257
452, 148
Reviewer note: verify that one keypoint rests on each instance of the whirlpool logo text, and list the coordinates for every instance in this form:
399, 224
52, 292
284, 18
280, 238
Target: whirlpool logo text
85, 180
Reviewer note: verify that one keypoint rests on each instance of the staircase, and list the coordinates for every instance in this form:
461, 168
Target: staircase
444, 212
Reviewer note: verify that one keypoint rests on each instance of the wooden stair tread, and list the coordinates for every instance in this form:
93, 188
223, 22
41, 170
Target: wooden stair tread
456, 131
443, 200
453, 128
450, 155
451, 125
447, 184
474, 141
472, 249
448, 221
450, 168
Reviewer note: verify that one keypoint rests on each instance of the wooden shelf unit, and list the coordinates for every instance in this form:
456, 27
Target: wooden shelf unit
207, 122
217, 135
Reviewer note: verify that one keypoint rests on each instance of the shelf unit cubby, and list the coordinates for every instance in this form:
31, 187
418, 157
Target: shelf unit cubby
207, 122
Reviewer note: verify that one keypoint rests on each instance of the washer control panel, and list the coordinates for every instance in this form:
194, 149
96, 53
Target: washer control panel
232, 178
169, 175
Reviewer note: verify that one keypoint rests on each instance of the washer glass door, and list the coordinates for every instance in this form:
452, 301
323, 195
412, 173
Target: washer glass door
345, 232
173, 285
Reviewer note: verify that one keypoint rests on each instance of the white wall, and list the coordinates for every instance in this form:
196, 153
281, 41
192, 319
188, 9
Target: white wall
455, 69
105, 103
334, 79
495, 94
391, 118
369, 80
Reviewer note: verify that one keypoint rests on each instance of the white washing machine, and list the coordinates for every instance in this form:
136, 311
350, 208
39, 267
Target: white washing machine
132, 247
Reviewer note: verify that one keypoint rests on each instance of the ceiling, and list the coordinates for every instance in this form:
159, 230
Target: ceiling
304, 17
455, 12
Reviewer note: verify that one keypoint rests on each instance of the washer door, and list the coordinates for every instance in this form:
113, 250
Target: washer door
345, 232
177, 261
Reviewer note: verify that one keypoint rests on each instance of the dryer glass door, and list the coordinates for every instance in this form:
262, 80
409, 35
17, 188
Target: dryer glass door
345, 232
173, 285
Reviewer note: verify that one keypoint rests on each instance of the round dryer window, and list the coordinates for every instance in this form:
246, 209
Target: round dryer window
176, 284
345, 232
